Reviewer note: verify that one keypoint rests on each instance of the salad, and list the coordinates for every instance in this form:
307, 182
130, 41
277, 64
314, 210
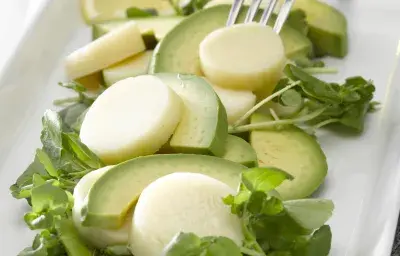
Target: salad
188, 137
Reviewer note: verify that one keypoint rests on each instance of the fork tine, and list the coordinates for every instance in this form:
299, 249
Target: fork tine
282, 16
252, 11
268, 11
237, 4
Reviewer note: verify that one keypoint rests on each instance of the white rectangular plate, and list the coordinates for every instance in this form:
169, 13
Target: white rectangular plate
364, 175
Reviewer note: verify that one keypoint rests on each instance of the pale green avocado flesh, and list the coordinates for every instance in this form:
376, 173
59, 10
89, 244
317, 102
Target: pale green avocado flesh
116, 192
240, 151
327, 28
294, 151
178, 51
204, 126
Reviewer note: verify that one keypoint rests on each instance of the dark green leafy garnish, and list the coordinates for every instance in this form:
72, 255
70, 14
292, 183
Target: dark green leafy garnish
322, 103
48, 183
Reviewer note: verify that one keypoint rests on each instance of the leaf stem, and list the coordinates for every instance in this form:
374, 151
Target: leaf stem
264, 101
273, 114
326, 122
64, 101
321, 70
269, 124
249, 237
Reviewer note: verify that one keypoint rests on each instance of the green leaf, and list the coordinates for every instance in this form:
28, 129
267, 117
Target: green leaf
44, 244
309, 213
47, 197
23, 185
260, 203
134, 12
71, 240
238, 201
51, 134
319, 244
82, 152
219, 246
46, 162
183, 244
39, 221
72, 116
189, 244
264, 179
291, 98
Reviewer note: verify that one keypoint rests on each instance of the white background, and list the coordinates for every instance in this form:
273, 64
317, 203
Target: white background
14, 16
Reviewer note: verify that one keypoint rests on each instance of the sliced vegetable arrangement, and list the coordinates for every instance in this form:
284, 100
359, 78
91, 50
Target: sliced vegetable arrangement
191, 138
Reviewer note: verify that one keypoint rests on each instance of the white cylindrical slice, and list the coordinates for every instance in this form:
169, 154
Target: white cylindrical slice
236, 102
109, 49
134, 117
181, 202
243, 57
99, 238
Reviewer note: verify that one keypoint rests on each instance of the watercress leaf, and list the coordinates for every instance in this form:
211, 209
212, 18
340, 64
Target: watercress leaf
44, 244
47, 198
23, 185
237, 202
134, 12
312, 86
71, 240
76, 126
51, 134
183, 244
309, 213
35, 167
219, 246
37, 180
81, 151
46, 162
354, 116
276, 232
39, 221
264, 179
319, 244
261, 203
291, 98
72, 116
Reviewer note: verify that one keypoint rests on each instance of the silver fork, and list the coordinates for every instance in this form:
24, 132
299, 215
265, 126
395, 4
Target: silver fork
251, 13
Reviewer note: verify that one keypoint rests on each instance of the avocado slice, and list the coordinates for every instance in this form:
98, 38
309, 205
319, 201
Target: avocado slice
114, 194
178, 51
131, 67
204, 126
327, 28
293, 150
153, 28
240, 151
